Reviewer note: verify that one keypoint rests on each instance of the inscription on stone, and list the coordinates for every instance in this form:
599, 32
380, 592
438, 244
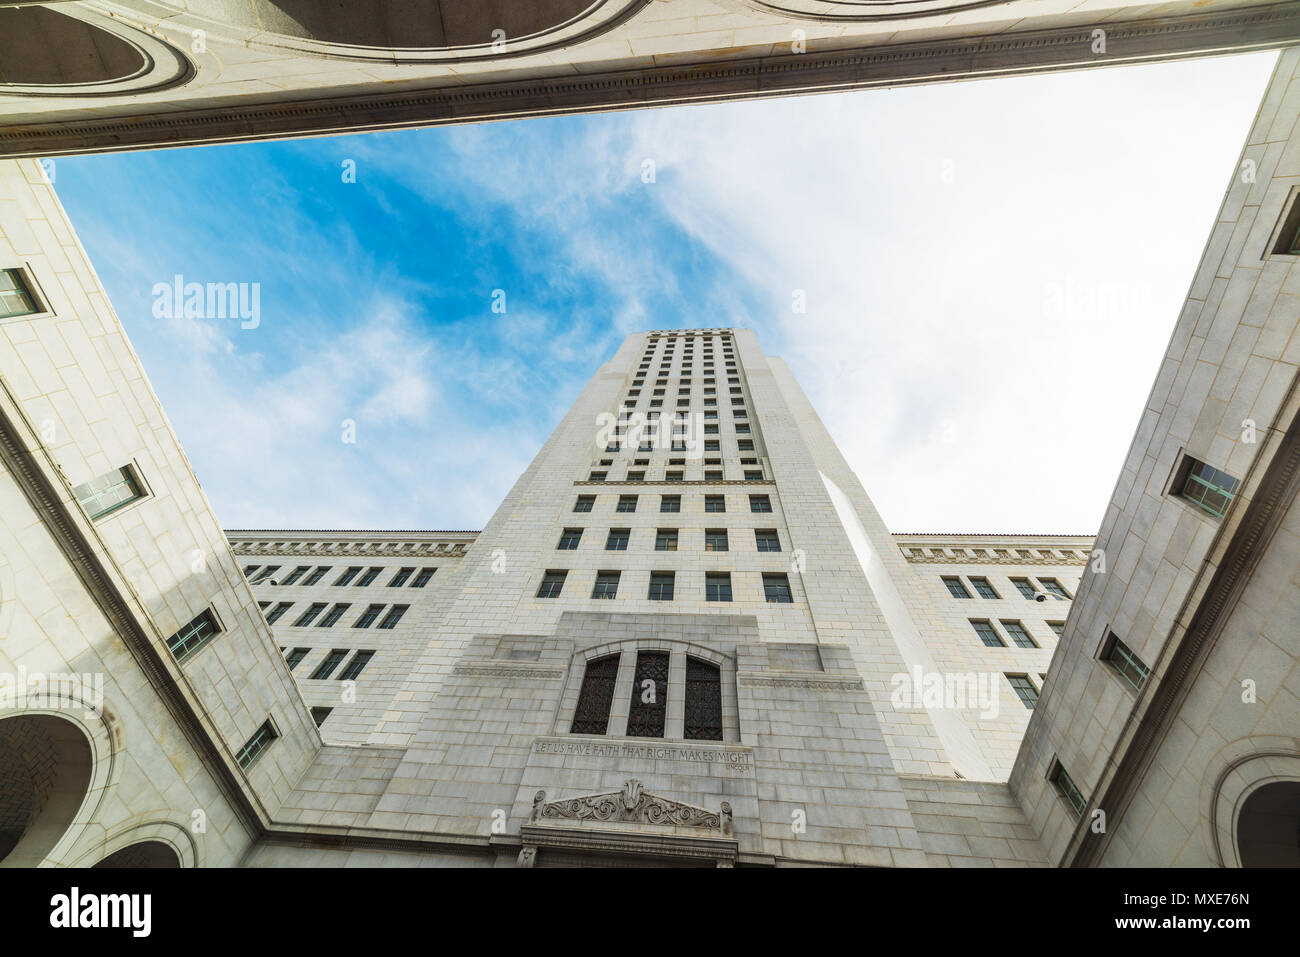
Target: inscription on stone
741, 761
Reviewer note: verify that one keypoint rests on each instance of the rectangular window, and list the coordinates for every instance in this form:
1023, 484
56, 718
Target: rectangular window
672, 476
746, 445
712, 476
606, 585
1054, 588
16, 298
368, 616
1067, 789
332, 661
597, 477
715, 540
776, 588
394, 616
1058, 627
670, 503
401, 577
626, 503
552, 584
109, 492
983, 588
422, 579
666, 540
257, 744
319, 715
988, 634
569, 540
742, 428
265, 573
370, 575
278, 611
296, 656
661, 586
635, 477
715, 503
348, 575
356, 665
317, 575
955, 587
1019, 636
1024, 689
248, 570
717, 586
1025, 587
618, 539
334, 615
1205, 486
752, 476
584, 503
294, 575
202, 629
767, 540
1128, 665
760, 503
310, 615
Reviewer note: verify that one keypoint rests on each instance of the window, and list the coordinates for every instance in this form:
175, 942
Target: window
983, 588
400, 578
584, 503
319, 715
666, 540
703, 712
661, 586
670, 503
1054, 588
1126, 664
370, 575
1025, 587
597, 477
394, 616
368, 616
265, 573
776, 588
552, 584
988, 634
767, 540
1067, 789
569, 540
712, 445
753, 476
202, 629
746, 445
618, 539
332, 661
278, 611
422, 579
1019, 636
596, 696
717, 586
1024, 689
672, 476
712, 476
317, 575
294, 575
634, 477
760, 503
257, 744
606, 585
348, 575
16, 298
248, 570
715, 540
356, 665
645, 718
109, 492
955, 587
310, 615
626, 503
334, 615
742, 428
715, 503
1205, 486
1058, 627
296, 656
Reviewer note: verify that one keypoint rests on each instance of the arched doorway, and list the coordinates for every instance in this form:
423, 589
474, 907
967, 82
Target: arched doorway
45, 769
1268, 827
143, 854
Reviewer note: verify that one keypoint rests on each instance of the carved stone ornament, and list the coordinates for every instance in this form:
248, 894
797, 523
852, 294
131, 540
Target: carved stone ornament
634, 805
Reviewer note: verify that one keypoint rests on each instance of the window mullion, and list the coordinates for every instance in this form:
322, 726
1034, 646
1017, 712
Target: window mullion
618, 713
675, 719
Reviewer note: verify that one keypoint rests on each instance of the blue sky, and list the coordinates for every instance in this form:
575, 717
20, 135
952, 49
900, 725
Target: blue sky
992, 271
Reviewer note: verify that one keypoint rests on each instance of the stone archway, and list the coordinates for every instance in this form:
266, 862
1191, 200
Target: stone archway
142, 854
46, 765
1268, 826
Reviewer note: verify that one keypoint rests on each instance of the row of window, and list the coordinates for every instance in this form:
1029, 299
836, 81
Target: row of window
666, 540
673, 503
650, 694
327, 667
677, 475
1015, 630
314, 610
717, 585
306, 575
957, 588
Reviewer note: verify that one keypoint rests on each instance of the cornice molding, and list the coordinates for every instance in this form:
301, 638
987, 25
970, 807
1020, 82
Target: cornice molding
361, 549
1029, 51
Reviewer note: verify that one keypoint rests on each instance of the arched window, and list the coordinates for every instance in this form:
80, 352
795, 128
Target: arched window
596, 696
703, 700
649, 695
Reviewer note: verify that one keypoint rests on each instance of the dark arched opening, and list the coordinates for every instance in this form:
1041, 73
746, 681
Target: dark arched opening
45, 764
1268, 828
